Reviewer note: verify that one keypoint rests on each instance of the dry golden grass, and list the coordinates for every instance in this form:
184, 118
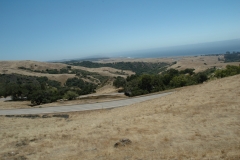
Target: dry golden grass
196, 122
108, 88
9, 67
152, 60
199, 63
14, 104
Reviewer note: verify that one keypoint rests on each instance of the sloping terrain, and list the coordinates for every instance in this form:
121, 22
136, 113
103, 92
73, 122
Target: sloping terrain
196, 122
8, 67
199, 63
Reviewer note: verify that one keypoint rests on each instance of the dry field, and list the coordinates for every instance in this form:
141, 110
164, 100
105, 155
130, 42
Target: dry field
199, 63
153, 60
196, 122
9, 67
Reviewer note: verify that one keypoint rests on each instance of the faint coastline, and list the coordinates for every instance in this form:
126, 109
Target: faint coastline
219, 47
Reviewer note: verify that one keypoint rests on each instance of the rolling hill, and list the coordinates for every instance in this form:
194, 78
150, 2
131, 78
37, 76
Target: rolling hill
196, 122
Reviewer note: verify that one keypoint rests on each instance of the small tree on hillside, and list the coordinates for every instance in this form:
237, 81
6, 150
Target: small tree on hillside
70, 95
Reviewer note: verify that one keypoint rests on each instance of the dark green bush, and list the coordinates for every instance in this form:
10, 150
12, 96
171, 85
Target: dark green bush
70, 95
119, 82
229, 71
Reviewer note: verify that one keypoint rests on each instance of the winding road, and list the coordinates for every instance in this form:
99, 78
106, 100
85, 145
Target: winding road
81, 107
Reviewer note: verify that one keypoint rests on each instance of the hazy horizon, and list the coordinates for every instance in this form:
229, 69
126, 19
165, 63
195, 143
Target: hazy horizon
216, 47
54, 30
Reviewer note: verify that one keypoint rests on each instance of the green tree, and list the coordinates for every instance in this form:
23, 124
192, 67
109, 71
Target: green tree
229, 71
119, 82
70, 95
200, 77
145, 83
187, 70
157, 83
178, 81
39, 97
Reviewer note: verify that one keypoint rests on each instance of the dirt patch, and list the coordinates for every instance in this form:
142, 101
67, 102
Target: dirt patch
122, 143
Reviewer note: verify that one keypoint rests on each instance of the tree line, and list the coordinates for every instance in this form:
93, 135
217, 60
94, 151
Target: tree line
40, 90
68, 70
137, 67
232, 57
135, 85
229, 71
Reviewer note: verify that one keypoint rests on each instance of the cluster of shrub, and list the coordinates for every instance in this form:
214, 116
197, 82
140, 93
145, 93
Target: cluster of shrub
229, 71
41, 90
232, 57
50, 71
137, 67
69, 70
143, 84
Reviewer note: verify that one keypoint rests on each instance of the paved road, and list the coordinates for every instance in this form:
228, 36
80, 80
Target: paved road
97, 94
6, 99
81, 107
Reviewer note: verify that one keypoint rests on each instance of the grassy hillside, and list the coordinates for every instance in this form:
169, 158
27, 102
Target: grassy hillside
196, 122
40, 90
137, 67
57, 71
42, 82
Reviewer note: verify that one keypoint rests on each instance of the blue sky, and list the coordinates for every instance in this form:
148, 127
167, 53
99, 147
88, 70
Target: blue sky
62, 29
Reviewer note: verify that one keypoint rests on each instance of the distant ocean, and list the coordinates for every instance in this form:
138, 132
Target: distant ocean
220, 47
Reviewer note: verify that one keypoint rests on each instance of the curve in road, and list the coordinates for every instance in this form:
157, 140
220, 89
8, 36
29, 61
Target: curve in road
81, 107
